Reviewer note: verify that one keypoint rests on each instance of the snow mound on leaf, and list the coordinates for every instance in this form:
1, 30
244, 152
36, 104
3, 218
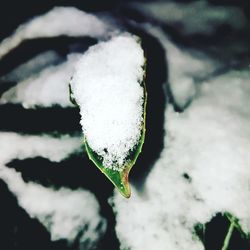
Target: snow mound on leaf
107, 85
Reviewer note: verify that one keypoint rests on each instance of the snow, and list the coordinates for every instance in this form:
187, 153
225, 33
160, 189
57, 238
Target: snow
106, 85
55, 149
33, 66
52, 24
210, 142
67, 214
46, 88
192, 18
185, 67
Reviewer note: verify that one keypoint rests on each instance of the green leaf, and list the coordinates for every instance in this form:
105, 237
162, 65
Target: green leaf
120, 179
71, 96
229, 233
235, 221
233, 228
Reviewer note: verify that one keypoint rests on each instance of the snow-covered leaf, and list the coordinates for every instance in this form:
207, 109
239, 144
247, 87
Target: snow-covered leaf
108, 85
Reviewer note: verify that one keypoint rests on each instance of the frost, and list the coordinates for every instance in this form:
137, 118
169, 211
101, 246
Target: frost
52, 24
67, 214
106, 85
47, 88
210, 143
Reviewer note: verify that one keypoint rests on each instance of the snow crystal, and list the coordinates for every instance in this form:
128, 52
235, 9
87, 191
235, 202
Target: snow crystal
67, 214
53, 24
39, 89
107, 87
209, 142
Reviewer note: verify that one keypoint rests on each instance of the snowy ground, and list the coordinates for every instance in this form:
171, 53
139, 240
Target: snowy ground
47, 183
208, 144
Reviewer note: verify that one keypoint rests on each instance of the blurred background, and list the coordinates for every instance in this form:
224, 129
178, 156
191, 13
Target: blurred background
43, 165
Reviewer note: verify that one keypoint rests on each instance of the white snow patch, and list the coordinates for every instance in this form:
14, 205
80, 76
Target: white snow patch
47, 88
14, 145
196, 17
210, 142
67, 21
32, 66
66, 214
106, 85
184, 67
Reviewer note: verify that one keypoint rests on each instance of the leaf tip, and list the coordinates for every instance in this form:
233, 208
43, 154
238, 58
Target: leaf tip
124, 186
